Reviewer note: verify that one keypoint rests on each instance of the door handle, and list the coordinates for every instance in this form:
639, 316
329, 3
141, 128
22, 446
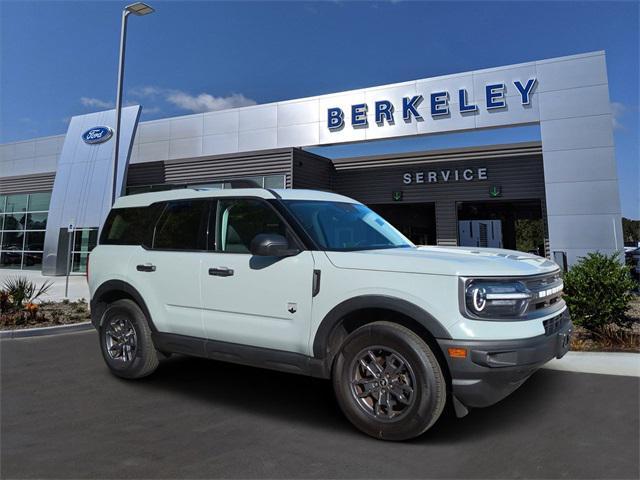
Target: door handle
221, 272
147, 267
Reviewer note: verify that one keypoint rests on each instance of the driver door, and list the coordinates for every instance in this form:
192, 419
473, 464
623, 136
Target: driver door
254, 300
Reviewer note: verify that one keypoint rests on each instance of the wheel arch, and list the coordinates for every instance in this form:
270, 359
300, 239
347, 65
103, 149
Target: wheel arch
358, 311
113, 290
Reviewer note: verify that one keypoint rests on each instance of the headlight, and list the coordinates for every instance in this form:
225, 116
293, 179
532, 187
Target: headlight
496, 299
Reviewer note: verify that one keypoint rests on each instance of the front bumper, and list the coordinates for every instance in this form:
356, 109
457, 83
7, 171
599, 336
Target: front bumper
492, 369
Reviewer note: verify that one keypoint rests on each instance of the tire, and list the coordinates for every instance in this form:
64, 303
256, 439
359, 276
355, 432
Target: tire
401, 402
125, 328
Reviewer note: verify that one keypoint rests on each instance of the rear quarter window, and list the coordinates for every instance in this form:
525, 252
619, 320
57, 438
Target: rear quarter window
130, 226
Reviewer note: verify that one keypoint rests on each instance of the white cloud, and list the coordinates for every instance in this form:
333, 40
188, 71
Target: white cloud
146, 91
95, 103
205, 102
617, 110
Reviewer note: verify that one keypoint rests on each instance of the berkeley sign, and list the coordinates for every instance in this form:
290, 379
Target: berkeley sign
384, 110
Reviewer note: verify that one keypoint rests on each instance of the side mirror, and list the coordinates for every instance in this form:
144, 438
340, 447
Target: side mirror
272, 245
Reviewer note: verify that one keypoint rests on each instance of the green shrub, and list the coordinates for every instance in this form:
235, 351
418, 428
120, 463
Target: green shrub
21, 291
598, 291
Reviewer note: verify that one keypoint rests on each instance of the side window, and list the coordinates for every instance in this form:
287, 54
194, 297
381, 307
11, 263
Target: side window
240, 220
130, 226
182, 226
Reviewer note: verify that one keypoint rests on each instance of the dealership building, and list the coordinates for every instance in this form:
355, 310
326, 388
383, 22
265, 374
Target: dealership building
557, 196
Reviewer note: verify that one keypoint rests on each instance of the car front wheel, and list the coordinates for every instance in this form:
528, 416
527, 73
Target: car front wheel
388, 382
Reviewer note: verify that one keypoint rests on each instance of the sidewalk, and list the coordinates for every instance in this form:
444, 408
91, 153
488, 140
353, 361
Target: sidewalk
606, 363
78, 287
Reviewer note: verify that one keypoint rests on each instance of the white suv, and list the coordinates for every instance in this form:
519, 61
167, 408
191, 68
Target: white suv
318, 284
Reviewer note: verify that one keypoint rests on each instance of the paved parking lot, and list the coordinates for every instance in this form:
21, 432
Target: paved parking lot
65, 416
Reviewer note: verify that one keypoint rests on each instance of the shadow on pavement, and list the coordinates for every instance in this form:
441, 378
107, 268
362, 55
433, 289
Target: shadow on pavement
309, 400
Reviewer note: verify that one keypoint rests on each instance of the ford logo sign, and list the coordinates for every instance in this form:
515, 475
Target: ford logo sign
97, 135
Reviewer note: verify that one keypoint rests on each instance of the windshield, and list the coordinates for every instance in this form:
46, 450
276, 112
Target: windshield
342, 226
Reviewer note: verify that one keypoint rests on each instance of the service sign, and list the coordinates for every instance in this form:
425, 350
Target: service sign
438, 104
97, 135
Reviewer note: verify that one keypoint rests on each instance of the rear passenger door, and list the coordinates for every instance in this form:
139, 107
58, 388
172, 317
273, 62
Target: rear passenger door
251, 300
166, 273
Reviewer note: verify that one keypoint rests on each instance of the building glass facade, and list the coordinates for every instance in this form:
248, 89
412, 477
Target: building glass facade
23, 222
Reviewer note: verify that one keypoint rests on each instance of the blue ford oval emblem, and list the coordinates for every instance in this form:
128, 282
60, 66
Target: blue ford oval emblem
97, 135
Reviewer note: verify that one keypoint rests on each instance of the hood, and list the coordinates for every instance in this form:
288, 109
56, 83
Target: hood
462, 261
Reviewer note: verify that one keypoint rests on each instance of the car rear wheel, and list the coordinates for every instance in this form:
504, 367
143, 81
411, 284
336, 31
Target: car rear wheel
125, 341
388, 382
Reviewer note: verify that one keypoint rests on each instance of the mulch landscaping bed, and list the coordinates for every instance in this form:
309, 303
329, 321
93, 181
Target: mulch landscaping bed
612, 338
48, 314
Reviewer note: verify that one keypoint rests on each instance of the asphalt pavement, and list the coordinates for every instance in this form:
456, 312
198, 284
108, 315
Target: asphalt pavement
63, 415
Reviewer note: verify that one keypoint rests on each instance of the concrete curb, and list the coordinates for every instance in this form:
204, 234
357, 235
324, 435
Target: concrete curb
42, 331
605, 363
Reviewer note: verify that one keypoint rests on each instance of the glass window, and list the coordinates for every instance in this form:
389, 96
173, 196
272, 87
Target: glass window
79, 262
37, 221
274, 181
34, 241
130, 226
23, 231
39, 201
16, 203
346, 226
85, 240
239, 221
12, 240
12, 259
14, 221
182, 226
32, 261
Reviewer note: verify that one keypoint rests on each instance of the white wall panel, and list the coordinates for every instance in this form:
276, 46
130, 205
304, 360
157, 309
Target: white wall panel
562, 74
156, 131
513, 114
153, 152
219, 144
572, 231
579, 165
185, 147
297, 113
583, 198
309, 133
577, 102
258, 139
259, 117
7, 152
25, 150
186, 127
49, 146
577, 132
226, 121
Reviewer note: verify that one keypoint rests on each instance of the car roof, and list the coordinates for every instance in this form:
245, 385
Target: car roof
145, 199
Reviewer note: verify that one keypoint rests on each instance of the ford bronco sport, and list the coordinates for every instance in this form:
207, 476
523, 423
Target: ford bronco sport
318, 284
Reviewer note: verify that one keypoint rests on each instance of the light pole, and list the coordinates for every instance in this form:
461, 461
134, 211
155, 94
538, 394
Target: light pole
137, 9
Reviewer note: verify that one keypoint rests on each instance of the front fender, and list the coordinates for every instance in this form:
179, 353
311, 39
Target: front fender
335, 316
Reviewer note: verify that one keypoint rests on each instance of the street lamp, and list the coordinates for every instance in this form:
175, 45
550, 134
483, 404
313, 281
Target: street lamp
138, 9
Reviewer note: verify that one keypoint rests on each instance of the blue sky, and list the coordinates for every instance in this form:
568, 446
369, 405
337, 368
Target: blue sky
59, 59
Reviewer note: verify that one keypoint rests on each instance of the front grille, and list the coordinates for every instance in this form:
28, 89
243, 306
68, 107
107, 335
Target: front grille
547, 294
553, 325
